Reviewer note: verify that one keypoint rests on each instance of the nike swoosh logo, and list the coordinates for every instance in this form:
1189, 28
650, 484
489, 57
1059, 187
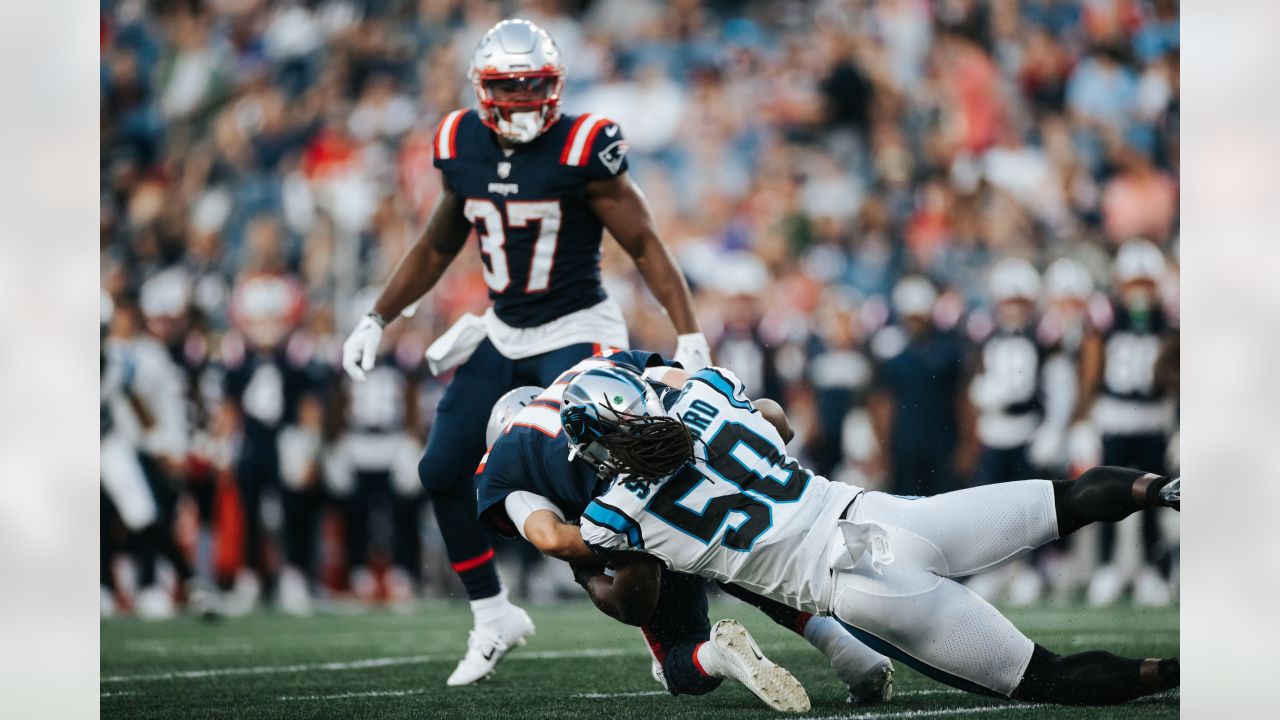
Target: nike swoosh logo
754, 652
489, 655
611, 130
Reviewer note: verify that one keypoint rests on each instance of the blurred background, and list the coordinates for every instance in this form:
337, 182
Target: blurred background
943, 233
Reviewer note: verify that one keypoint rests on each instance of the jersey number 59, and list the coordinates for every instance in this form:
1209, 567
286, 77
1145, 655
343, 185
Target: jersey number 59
737, 454
488, 221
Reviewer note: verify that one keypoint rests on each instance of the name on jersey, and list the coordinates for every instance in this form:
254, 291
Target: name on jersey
698, 417
504, 189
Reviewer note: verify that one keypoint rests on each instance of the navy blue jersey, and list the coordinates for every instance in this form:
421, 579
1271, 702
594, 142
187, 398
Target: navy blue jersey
268, 384
532, 453
539, 239
1131, 345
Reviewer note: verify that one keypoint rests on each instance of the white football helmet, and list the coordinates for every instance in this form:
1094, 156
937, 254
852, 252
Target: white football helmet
1067, 278
1015, 279
1139, 259
506, 408
517, 73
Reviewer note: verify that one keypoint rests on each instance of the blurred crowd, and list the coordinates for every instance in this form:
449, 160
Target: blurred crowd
944, 233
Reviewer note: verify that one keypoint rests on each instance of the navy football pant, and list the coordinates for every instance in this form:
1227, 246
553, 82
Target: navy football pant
1144, 452
456, 444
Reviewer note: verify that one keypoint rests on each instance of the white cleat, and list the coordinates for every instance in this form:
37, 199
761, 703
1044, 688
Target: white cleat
743, 661
292, 593
154, 603
1106, 586
489, 643
876, 687
1171, 494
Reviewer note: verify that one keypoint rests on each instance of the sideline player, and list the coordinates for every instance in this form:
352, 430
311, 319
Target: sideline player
539, 188
704, 484
529, 484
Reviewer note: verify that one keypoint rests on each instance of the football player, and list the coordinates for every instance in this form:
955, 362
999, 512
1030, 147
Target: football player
1006, 392
703, 483
539, 188
1122, 400
528, 483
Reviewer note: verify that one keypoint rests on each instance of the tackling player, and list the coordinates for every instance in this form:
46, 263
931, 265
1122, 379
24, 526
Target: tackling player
703, 483
539, 188
529, 483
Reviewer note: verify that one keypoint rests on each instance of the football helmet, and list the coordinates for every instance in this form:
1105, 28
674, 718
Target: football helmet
1015, 279
517, 73
1067, 279
599, 404
1139, 259
506, 408
914, 295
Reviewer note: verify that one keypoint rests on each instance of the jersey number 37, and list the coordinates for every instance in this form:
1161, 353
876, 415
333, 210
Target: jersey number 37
488, 221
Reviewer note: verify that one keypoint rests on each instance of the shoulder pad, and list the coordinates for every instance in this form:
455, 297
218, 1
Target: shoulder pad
595, 143
446, 138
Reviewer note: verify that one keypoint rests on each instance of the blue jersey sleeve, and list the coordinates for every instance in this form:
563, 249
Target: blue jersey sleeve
607, 155
501, 473
640, 360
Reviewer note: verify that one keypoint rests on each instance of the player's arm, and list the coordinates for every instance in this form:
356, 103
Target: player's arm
620, 205
776, 416
554, 537
417, 273
631, 594
1091, 368
446, 232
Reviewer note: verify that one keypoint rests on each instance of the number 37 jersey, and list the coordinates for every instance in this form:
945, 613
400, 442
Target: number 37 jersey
539, 239
742, 512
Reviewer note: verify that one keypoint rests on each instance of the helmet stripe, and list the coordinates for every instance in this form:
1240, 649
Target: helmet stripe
568, 144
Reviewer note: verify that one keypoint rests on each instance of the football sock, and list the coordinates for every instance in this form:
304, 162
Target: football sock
1104, 494
708, 659
1093, 678
465, 543
685, 673
850, 658
788, 617
490, 609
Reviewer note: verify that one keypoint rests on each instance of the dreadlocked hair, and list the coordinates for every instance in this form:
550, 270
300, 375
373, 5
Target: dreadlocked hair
648, 448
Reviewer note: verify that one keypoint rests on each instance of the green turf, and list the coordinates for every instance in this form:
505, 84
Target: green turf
393, 665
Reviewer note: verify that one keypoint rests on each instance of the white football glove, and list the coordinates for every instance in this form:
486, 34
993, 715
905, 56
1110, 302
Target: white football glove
692, 351
1084, 445
361, 347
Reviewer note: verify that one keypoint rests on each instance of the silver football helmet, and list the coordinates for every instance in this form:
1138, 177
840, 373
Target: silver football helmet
1067, 279
596, 404
1015, 279
1139, 259
517, 73
505, 409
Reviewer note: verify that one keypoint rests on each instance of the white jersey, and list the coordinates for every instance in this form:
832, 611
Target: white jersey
743, 512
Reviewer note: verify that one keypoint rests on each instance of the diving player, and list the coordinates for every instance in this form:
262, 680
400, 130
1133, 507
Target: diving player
703, 483
539, 188
528, 483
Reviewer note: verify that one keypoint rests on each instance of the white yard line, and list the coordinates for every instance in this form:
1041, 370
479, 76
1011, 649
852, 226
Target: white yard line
601, 696
117, 693
354, 665
926, 713
346, 695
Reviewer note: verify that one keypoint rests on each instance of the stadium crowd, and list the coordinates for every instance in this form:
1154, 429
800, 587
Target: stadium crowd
864, 195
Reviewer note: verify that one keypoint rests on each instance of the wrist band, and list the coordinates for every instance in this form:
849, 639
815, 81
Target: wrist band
377, 318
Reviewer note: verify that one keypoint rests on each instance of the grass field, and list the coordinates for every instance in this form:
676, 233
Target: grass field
581, 664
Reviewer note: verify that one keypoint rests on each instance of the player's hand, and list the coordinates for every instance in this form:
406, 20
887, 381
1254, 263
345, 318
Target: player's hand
361, 348
692, 351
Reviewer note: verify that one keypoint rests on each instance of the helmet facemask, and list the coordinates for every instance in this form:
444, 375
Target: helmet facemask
645, 448
519, 106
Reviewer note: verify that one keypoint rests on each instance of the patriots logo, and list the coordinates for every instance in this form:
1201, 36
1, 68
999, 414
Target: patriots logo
504, 169
613, 155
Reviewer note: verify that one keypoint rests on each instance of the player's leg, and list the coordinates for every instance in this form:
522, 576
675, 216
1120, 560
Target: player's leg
355, 516
695, 656
867, 673
981, 528
454, 449
943, 630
